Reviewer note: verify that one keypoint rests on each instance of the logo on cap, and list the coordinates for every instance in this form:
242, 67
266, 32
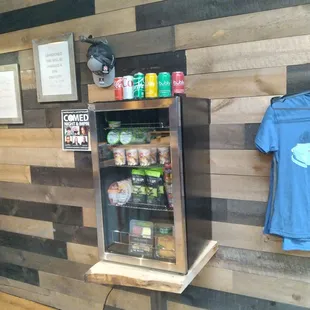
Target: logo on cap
105, 69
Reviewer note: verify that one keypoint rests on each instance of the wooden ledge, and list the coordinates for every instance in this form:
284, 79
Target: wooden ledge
117, 274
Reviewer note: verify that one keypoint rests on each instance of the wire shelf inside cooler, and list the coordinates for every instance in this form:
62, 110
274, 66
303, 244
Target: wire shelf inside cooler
147, 126
144, 206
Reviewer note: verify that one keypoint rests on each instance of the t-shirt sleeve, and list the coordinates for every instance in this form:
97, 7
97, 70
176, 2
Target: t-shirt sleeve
267, 138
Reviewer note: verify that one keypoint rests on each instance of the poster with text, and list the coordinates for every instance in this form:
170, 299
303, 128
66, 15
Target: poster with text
75, 130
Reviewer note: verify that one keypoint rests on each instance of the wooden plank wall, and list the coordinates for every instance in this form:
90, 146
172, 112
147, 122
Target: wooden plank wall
238, 54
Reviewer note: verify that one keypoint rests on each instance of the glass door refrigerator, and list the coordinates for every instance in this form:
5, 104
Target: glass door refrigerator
150, 162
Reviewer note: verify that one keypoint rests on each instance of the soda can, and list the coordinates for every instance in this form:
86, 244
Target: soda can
151, 87
178, 83
138, 85
118, 88
128, 87
164, 84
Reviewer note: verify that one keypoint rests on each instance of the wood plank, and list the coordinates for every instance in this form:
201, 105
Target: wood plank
107, 5
28, 79
239, 110
97, 94
49, 138
42, 211
109, 23
9, 302
47, 157
9, 58
6, 6
89, 217
26, 226
48, 194
250, 27
298, 77
230, 136
251, 55
15, 173
47, 297
25, 59
3, 126
84, 254
243, 83
32, 119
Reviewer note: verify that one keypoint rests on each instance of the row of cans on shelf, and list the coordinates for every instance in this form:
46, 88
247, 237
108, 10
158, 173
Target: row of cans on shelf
149, 86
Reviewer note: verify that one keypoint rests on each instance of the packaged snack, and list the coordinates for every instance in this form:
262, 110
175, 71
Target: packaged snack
168, 174
105, 151
126, 137
141, 238
138, 186
168, 188
132, 157
153, 155
161, 189
119, 193
114, 124
119, 156
113, 137
145, 157
152, 190
141, 135
164, 241
164, 155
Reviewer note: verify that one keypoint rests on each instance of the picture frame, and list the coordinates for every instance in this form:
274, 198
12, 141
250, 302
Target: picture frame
54, 63
10, 95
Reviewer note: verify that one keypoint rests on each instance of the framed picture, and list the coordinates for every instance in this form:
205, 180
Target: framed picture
10, 95
54, 63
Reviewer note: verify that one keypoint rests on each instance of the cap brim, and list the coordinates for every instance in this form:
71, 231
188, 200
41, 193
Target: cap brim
104, 81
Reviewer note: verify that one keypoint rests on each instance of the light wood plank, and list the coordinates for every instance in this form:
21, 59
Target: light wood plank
99, 94
239, 110
243, 83
25, 59
109, 23
251, 55
84, 254
15, 173
69, 196
108, 5
6, 6
44, 138
46, 157
287, 22
9, 302
28, 79
89, 217
3, 126
26, 226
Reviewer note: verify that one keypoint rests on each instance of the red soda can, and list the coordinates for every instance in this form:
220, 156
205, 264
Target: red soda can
118, 88
178, 83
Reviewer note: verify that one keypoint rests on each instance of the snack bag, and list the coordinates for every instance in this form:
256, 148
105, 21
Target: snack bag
138, 186
152, 189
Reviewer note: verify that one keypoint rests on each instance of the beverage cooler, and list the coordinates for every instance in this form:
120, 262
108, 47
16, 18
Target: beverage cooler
150, 161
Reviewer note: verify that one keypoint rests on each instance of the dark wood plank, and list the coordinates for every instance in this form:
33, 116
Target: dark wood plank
250, 134
47, 13
53, 248
32, 119
6, 6
22, 274
227, 136
83, 161
42, 211
61, 177
172, 12
298, 79
169, 61
76, 234
8, 58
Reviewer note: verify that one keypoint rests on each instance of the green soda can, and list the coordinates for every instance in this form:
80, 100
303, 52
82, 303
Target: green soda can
138, 85
164, 84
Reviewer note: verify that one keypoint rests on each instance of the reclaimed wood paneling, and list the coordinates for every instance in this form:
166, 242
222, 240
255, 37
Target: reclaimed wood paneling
97, 94
15, 173
9, 58
33, 119
178, 12
107, 5
48, 194
239, 110
48, 157
243, 83
42, 211
46, 13
28, 79
84, 254
250, 134
26, 226
42, 246
250, 55
287, 22
230, 136
6, 6
120, 21
89, 217
298, 78
19, 273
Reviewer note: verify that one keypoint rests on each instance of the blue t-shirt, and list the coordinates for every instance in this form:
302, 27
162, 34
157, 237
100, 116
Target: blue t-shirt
285, 132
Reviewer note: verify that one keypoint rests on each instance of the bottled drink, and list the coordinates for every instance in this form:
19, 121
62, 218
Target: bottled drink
128, 86
178, 83
164, 84
138, 85
118, 88
151, 87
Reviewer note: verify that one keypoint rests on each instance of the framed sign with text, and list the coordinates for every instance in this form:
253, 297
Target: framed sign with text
10, 95
54, 64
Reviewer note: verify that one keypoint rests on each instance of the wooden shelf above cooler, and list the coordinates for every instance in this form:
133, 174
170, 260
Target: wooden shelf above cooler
109, 273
